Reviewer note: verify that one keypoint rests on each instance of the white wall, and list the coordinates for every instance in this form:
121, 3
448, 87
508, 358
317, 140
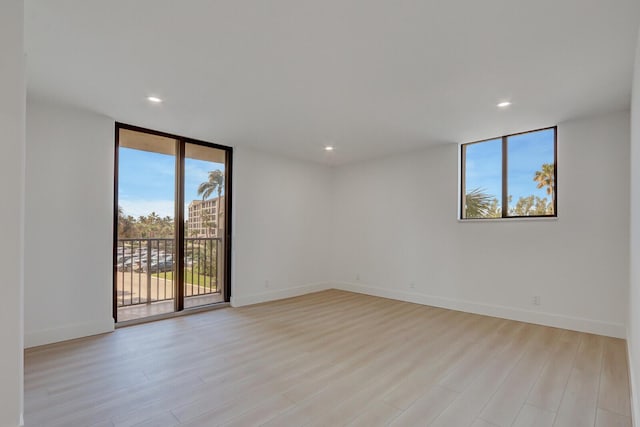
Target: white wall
69, 220
396, 225
633, 338
12, 105
281, 223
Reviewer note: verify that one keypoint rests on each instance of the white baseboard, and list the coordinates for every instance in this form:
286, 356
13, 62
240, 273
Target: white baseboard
78, 330
635, 415
279, 294
67, 332
538, 317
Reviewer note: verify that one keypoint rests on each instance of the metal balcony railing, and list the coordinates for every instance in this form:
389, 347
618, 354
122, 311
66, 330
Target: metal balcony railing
145, 269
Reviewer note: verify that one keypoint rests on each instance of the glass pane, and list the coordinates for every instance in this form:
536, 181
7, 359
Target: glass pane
531, 183
483, 180
204, 196
146, 228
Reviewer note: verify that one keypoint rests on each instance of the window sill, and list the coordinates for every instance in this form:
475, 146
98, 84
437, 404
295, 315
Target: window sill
522, 218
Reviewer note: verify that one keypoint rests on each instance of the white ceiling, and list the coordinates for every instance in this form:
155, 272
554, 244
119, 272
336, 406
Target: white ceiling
368, 76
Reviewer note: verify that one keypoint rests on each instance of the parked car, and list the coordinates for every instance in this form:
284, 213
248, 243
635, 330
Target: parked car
160, 266
132, 264
124, 263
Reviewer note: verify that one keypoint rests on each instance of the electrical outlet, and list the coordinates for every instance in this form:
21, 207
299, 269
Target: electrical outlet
412, 285
358, 277
536, 300
266, 283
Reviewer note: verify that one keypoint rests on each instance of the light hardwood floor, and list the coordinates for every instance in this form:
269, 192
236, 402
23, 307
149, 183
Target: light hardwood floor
331, 358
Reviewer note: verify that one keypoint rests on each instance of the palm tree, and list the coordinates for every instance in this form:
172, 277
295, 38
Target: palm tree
477, 204
547, 178
215, 183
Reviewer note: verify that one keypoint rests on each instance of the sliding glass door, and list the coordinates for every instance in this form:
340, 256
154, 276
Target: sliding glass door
204, 242
172, 199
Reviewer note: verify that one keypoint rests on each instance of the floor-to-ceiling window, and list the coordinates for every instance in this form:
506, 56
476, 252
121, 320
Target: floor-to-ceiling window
172, 223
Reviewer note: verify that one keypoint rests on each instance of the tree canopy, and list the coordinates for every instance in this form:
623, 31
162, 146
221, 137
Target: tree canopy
145, 226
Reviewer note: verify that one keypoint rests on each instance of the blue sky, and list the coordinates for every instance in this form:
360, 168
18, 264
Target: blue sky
527, 153
146, 181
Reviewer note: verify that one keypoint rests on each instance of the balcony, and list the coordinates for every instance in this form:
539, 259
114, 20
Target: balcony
145, 272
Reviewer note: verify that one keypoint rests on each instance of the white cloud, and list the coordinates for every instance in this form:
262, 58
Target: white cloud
200, 174
139, 207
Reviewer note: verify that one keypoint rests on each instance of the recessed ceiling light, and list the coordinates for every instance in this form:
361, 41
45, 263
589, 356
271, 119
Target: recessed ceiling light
504, 104
154, 99
328, 148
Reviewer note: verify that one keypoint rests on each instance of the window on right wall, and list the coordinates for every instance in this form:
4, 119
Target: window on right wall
512, 176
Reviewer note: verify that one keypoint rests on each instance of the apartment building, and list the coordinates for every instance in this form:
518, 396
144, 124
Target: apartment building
206, 218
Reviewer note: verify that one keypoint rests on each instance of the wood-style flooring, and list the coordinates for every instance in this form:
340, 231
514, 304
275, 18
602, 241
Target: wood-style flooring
331, 358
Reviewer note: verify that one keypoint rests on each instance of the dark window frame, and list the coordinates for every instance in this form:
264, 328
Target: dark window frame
505, 176
181, 142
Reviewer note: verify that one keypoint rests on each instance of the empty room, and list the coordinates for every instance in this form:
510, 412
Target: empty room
320, 213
